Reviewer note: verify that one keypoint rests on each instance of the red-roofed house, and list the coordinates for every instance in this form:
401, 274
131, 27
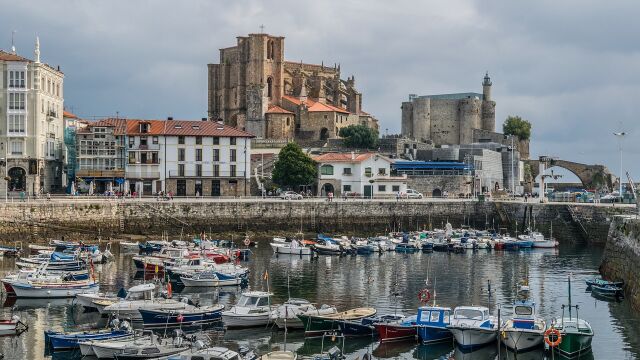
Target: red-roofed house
358, 175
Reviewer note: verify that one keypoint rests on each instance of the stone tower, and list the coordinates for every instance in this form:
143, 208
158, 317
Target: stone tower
488, 106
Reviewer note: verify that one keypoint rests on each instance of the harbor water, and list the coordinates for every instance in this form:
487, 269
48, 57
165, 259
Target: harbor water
389, 282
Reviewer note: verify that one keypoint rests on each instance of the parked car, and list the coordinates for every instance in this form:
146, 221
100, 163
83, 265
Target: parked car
412, 194
290, 195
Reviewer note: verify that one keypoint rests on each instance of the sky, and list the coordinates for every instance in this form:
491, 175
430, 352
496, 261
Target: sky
571, 67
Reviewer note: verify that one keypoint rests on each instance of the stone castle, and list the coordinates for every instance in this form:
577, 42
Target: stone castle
255, 89
451, 119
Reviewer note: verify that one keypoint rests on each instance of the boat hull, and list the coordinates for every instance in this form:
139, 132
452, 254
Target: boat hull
433, 334
48, 292
395, 332
61, 342
473, 338
521, 340
352, 328
287, 250
189, 282
574, 345
160, 319
234, 320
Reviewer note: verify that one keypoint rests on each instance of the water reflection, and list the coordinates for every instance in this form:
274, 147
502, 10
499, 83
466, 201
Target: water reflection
355, 281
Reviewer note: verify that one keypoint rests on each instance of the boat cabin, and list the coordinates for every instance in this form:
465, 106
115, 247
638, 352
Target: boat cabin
479, 315
524, 315
254, 299
141, 292
433, 316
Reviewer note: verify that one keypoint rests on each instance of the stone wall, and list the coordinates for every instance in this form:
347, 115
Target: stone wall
29, 222
453, 184
621, 259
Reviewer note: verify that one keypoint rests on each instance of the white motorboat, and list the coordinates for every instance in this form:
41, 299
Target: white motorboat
126, 246
139, 297
286, 315
87, 300
279, 355
253, 309
473, 327
291, 248
52, 289
210, 279
211, 353
524, 330
13, 324
146, 347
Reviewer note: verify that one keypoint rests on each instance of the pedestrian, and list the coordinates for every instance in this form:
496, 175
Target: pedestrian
330, 194
48, 196
398, 196
22, 196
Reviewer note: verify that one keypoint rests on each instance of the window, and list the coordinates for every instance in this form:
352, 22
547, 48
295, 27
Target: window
216, 154
180, 154
198, 154
326, 169
16, 147
367, 172
132, 142
132, 158
216, 141
180, 169
232, 155
346, 188
435, 317
143, 141
144, 127
346, 171
395, 188
216, 170
269, 87
382, 188
288, 121
155, 140
17, 123
16, 79
445, 317
16, 101
198, 140
154, 158
232, 141
232, 170
180, 139
198, 170
382, 171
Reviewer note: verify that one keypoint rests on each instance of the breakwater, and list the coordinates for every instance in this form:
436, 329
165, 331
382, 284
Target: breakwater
119, 219
621, 258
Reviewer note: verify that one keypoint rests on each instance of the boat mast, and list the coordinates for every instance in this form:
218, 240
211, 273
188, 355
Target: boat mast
569, 282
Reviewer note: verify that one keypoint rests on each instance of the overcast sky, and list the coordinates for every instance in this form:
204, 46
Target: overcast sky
571, 67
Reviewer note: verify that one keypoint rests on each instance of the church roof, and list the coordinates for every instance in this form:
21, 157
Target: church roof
274, 109
315, 106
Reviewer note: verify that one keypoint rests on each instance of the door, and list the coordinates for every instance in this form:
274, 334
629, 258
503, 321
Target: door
198, 188
368, 191
215, 187
181, 188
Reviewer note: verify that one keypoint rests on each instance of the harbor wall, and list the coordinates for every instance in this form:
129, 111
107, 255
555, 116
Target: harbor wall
621, 258
29, 222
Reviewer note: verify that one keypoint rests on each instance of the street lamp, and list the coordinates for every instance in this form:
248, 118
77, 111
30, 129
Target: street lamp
3, 163
620, 135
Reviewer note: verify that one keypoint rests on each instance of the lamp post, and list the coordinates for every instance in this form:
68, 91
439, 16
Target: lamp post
620, 135
3, 163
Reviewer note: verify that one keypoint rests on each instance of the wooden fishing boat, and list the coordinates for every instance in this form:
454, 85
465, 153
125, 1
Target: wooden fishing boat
319, 324
405, 329
195, 316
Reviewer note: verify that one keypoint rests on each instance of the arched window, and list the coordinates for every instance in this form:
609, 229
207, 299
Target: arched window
326, 169
288, 123
269, 86
270, 50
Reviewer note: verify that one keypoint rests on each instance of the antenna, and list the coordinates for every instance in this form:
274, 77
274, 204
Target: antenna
13, 44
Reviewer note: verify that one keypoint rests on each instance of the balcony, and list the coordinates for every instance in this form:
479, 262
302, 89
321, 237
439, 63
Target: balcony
147, 162
141, 147
205, 174
51, 115
100, 173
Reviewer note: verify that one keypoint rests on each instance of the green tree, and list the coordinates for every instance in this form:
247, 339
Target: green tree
359, 136
515, 125
294, 167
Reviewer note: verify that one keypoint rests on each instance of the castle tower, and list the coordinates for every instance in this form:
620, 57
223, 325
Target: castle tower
488, 115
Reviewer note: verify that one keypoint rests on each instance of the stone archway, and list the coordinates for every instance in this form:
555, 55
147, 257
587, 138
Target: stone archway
17, 179
436, 193
591, 176
324, 134
327, 188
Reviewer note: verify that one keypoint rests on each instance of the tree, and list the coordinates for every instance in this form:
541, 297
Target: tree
359, 136
294, 167
515, 125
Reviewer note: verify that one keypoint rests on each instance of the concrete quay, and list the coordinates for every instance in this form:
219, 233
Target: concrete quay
92, 217
621, 258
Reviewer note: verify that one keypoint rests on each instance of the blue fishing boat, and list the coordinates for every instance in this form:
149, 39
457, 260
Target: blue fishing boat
427, 247
432, 322
198, 316
602, 282
57, 341
406, 248
607, 291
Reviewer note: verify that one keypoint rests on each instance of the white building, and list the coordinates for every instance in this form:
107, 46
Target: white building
31, 124
367, 175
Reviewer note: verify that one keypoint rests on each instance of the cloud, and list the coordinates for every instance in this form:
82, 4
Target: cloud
572, 67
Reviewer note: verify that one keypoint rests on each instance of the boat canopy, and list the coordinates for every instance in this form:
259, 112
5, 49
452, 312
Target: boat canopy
142, 288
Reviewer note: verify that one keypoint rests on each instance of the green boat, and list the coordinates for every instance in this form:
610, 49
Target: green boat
576, 333
319, 324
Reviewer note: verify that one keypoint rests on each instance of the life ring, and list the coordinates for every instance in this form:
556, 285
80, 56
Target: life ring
552, 332
424, 296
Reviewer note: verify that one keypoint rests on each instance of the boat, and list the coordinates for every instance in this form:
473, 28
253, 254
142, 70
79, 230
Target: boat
286, 315
576, 334
252, 309
431, 324
327, 246
147, 347
139, 297
188, 317
602, 282
211, 279
126, 246
12, 325
211, 353
365, 326
89, 300
319, 324
68, 341
406, 248
279, 355
402, 329
290, 248
49, 289
524, 331
607, 291
473, 327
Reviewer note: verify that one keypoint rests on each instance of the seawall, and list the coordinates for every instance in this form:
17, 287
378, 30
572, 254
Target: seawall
621, 259
119, 219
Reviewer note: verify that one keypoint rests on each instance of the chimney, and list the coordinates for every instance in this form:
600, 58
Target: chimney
353, 155
170, 118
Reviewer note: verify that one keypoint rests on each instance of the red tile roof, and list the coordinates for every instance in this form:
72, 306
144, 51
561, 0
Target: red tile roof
274, 109
314, 106
6, 56
342, 157
173, 128
69, 115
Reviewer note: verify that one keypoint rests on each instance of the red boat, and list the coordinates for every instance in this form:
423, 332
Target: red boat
398, 331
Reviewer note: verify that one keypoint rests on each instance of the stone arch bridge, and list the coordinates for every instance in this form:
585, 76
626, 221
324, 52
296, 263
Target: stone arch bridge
591, 176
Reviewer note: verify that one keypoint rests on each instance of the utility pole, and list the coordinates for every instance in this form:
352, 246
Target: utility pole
620, 136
